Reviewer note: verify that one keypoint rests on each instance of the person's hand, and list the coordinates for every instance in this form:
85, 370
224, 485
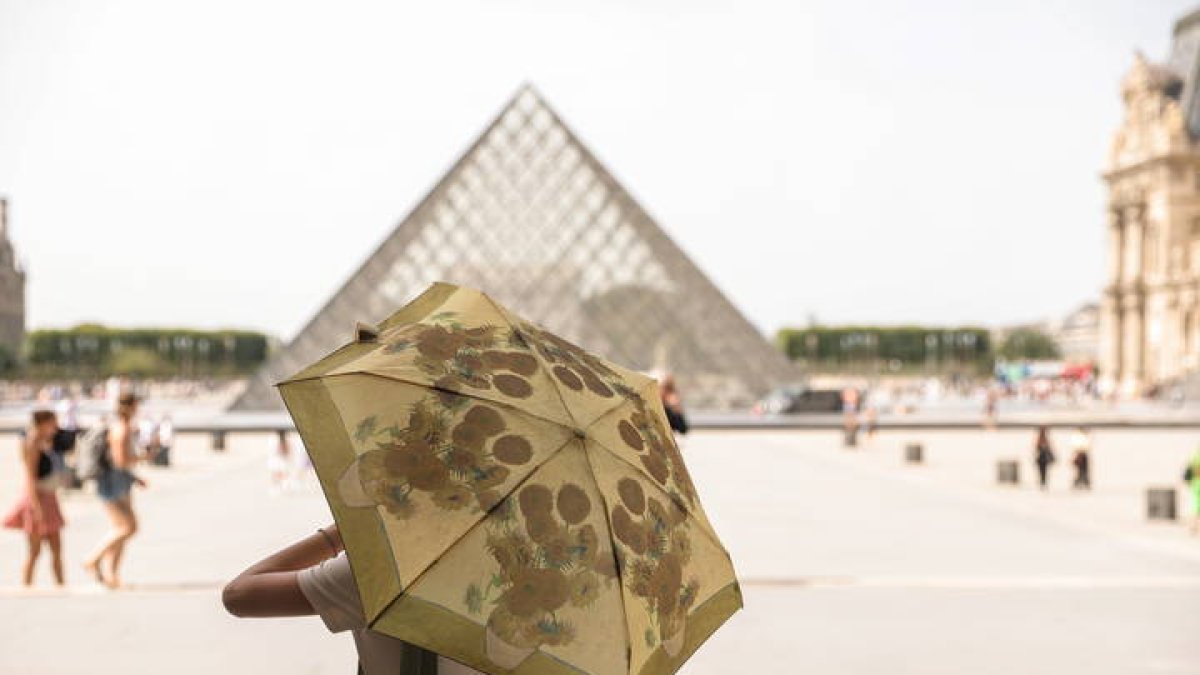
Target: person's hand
332, 531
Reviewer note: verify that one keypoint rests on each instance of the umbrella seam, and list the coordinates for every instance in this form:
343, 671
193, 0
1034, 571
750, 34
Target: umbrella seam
712, 536
482, 517
378, 522
709, 530
545, 366
434, 387
617, 563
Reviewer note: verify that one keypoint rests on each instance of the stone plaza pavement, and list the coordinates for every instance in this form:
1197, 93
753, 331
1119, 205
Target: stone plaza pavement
851, 562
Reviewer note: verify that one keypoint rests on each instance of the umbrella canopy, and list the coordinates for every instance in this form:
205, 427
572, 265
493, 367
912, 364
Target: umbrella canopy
508, 499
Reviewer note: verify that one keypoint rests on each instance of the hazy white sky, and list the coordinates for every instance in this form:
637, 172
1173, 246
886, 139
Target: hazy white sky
229, 163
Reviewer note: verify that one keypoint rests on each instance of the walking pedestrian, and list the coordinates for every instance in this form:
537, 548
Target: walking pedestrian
36, 511
147, 439
870, 415
989, 408
68, 413
279, 463
672, 403
850, 417
166, 438
1191, 476
115, 487
1081, 444
1043, 455
313, 576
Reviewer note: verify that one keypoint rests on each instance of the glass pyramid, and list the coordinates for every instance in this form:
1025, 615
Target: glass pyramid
529, 216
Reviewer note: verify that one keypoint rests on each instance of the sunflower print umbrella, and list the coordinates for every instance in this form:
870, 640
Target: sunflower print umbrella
508, 499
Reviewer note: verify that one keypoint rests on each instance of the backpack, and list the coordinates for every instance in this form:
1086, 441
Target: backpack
91, 453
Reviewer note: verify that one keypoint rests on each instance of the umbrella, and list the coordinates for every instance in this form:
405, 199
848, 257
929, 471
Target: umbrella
508, 499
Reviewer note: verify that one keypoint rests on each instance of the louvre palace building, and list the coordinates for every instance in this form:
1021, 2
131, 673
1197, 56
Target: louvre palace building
1150, 313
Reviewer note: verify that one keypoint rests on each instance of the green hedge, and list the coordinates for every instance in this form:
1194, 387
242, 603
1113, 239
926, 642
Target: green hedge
94, 350
899, 347
1029, 344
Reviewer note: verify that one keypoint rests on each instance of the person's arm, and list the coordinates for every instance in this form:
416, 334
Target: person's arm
270, 587
30, 455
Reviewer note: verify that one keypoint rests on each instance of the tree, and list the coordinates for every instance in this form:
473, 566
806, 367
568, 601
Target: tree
8, 361
138, 362
1030, 344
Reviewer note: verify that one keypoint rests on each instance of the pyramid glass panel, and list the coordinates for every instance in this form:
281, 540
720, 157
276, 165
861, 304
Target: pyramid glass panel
530, 216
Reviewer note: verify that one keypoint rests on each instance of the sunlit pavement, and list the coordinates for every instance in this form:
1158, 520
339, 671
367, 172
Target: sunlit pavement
851, 561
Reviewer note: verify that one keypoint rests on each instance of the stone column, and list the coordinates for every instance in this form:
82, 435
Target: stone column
1116, 245
1189, 337
1134, 245
1110, 341
1111, 316
1133, 344
1170, 350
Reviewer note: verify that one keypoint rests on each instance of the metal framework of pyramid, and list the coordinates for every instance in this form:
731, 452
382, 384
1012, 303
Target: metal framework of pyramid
529, 216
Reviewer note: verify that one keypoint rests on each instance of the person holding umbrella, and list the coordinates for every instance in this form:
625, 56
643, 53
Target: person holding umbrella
488, 479
313, 576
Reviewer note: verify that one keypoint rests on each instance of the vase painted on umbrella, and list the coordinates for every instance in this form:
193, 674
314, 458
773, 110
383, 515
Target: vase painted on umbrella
504, 654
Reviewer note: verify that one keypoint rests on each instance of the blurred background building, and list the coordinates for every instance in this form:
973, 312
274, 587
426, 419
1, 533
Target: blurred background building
1150, 314
1077, 334
12, 295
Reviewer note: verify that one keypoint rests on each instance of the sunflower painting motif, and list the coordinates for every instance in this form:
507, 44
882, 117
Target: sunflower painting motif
549, 559
508, 499
454, 450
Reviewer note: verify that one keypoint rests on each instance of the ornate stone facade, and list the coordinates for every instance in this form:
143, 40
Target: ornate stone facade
1150, 314
12, 290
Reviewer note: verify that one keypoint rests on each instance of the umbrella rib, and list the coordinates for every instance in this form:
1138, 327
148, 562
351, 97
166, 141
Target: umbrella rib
482, 517
617, 563
712, 536
545, 366
325, 494
621, 400
473, 397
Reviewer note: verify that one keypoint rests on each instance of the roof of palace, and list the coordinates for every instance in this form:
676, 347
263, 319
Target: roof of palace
1181, 72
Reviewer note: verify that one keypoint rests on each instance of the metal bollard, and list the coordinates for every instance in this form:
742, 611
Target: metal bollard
914, 453
1008, 472
1160, 503
218, 441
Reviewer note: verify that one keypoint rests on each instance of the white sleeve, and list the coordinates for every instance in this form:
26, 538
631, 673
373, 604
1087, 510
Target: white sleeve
331, 590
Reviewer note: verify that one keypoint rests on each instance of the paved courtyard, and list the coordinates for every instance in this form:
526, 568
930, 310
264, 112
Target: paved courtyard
851, 563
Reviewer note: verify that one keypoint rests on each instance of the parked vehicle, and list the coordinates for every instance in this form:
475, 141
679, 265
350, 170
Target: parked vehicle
798, 399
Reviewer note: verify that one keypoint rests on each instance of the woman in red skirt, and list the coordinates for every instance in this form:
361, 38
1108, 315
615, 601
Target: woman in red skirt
37, 512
